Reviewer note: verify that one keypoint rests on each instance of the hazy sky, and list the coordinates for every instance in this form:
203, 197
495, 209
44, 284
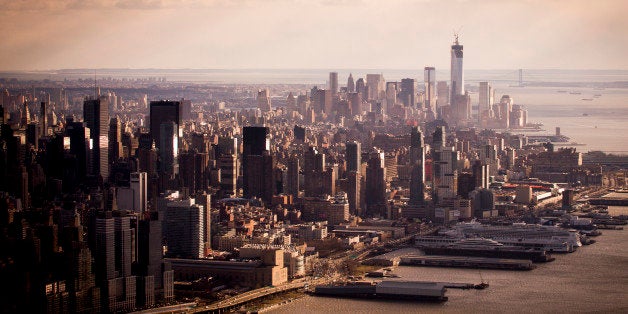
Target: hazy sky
325, 34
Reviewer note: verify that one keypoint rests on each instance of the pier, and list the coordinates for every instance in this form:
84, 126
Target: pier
608, 201
467, 262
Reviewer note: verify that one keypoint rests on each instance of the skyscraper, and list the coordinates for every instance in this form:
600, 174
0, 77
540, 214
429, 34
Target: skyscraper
164, 111
439, 138
485, 101
350, 84
375, 85
155, 275
292, 177
408, 92
333, 83
139, 185
457, 77
354, 156
313, 172
96, 116
442, 95
430, 88
417, 162
115, 140
257, 164
43, 118
168, 149
263, 100
360, 88
184, 227
376, 184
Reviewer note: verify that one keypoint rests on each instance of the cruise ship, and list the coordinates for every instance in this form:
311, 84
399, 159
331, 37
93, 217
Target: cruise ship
537, 244
532, 236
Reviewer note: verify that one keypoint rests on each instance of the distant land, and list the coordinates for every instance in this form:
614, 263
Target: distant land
530, 77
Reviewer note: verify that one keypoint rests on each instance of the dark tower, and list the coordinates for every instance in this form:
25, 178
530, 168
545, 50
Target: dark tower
354, 156
96, 116
417, 161
257, 164
161, 112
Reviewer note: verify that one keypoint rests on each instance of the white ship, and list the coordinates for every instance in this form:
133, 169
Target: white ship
538, 237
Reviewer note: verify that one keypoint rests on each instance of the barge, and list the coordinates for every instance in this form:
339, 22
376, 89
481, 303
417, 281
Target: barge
404, 290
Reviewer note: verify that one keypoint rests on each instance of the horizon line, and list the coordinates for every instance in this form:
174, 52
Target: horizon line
298, 69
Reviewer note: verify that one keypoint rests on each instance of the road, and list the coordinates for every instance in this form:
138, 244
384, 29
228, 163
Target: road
335, 263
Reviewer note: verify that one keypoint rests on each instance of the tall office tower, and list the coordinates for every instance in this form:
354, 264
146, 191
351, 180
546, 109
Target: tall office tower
333, 83
442, 95
322, 100
439, 138
43, 116
354, 156
263, 100
457, 76
77, 265
193, 170
155, 275
376, 86
445, 173
350, 84
511, 156
123, 243
360, 88
79, 147
257, 164
376, 184
481, 174
408, 92
32, 134
169, 149
164, 111
291, 103
355, 102
228, 165
186, 109
184, 228
354, 193
104, 255
26, 115
147, 154
96, 116
391, 94
303, 104
313, 172
430, 88
485, 98
417, 161
505, 107
115, 140
139, 186
292, 177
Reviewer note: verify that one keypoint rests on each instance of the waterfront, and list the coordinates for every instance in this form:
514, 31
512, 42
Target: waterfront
593, 279
601, 124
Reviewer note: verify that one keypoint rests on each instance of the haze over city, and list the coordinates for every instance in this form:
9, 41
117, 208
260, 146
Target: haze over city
227, 34
292, 156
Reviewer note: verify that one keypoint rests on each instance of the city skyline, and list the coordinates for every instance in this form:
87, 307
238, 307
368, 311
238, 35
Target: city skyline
310, 35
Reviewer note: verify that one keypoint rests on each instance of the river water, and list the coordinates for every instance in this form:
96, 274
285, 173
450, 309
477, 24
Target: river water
592, 279
600, 123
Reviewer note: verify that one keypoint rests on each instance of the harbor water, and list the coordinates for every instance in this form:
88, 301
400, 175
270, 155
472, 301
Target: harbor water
592, 279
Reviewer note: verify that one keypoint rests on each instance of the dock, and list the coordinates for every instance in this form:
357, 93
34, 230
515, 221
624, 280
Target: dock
467, 262
397, 290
